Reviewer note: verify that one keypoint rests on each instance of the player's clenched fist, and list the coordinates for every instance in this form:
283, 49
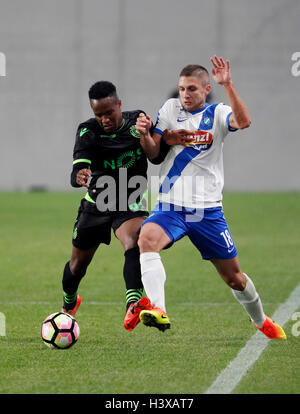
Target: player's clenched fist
82, 177
143, 124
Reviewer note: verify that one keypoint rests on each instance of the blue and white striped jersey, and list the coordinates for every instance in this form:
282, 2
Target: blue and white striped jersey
193, 176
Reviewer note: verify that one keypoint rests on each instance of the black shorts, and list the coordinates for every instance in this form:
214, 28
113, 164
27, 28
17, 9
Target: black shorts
92, 229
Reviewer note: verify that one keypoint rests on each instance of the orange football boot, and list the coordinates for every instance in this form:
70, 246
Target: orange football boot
271, 329
132, 317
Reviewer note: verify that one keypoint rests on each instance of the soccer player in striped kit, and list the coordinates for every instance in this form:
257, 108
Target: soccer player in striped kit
190, 194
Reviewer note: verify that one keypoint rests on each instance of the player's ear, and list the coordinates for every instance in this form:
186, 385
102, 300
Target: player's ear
208, 89
119, 103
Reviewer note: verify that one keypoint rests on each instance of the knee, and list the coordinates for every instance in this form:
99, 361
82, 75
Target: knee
148, 242
129, 243
236, 281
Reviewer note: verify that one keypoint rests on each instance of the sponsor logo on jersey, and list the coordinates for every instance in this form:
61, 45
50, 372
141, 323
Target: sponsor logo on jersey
202, 139
125, 160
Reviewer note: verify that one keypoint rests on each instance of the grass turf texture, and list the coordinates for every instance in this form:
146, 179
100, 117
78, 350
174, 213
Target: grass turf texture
208, 329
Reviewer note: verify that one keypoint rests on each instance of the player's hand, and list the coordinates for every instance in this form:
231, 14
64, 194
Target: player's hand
178, 136
221, 71
143, 124
83, 176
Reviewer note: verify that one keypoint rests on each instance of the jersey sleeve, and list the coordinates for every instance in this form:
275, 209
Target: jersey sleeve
82, 153
163, 118
83, 148
224, 112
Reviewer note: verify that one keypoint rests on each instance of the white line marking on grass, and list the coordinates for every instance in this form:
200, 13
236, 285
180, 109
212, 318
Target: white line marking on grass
238, 367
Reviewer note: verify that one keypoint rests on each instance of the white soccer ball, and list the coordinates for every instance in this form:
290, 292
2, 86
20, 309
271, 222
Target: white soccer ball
60, 330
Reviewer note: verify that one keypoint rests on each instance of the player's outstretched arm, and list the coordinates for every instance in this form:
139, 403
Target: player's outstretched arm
240, 117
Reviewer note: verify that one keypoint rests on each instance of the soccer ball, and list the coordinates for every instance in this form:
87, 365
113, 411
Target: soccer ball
60, 330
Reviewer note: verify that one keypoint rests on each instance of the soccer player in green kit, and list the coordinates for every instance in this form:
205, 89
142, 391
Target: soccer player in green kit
108, 146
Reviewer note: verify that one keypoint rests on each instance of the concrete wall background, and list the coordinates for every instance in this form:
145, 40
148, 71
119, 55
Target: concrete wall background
56, 49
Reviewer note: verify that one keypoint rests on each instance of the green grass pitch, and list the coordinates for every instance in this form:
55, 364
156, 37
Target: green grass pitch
208, 329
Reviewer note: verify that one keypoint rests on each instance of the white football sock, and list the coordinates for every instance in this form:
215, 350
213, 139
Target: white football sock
153, 278
250, 300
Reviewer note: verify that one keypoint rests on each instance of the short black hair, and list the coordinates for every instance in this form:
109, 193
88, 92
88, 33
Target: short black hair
103, 89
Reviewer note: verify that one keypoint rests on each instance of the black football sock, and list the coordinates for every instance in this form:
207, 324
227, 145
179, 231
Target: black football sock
70, 285
132, 276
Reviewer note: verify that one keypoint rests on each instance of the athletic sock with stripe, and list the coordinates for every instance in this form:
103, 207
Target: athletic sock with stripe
132, 276
70, 285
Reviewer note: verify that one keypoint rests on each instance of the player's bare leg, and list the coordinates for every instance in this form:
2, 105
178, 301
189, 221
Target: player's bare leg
80, 259
128, 232
244, 291
229, 270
